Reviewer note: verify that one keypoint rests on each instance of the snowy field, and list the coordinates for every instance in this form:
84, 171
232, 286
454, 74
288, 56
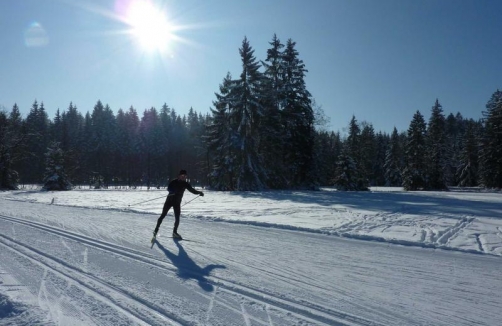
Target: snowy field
385, 257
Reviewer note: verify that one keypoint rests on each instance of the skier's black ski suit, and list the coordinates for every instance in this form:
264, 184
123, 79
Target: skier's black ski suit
176, 189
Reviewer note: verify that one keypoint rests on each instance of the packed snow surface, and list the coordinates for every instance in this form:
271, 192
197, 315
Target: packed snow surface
384, 257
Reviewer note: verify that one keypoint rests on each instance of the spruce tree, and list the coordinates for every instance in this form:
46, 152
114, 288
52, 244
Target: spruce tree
178, 142
221, 140
468, 167
245, 115
272, 134
37, 128
414, 173
150, 134
55, 177
167, 120
87, 158
435, 149
72, 144
127, 153
12, 148
328, 146
393, 161
349, 174
382, 141
298, 121
102, 143
56, 132
454, 134
491, 143
194, 147
367, 153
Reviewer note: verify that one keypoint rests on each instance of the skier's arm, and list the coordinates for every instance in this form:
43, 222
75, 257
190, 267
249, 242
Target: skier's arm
193, 191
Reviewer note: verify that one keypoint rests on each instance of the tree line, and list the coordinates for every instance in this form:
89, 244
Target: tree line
262, 133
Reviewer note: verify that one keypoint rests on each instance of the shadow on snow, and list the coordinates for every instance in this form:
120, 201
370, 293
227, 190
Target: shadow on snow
187, 268
420, 202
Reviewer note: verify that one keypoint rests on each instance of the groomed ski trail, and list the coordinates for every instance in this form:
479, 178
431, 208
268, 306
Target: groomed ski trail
96, 267
139, 310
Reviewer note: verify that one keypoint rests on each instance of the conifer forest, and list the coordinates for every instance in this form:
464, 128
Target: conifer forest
264, 131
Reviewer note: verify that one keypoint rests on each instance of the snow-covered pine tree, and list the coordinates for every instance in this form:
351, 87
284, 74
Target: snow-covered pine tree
55, 177
221, 140
245, 115
468, 166
298, 120
435, 149
415, 168
491, 143
393, 160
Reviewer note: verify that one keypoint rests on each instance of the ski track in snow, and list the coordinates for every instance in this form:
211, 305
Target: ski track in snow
446, 220
76, 264
102, 289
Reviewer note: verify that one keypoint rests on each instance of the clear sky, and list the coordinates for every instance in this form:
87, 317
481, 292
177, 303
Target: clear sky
380, 60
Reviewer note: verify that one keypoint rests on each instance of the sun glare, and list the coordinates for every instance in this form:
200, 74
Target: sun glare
149, 25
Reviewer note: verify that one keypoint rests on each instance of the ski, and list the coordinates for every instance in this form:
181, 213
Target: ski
153, 240
185, 239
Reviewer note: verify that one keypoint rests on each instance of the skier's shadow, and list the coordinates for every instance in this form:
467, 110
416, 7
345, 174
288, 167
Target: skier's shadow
187, 268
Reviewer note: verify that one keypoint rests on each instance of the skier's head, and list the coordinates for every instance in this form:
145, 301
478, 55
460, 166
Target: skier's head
182, 175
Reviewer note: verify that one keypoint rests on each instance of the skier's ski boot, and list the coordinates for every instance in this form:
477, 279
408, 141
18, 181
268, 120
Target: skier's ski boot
177, 236
154, 236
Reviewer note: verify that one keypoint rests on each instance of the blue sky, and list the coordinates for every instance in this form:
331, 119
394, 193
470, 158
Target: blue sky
378, 60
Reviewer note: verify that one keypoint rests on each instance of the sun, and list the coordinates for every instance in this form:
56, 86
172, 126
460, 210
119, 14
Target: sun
149, 25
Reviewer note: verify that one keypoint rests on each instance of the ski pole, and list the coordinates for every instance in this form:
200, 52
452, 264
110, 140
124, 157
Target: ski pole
145, 201
190, 201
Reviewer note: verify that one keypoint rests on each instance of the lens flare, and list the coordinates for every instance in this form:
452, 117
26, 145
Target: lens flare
35, 36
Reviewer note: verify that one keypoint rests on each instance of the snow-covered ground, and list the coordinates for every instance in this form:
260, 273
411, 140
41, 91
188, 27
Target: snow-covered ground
84, 257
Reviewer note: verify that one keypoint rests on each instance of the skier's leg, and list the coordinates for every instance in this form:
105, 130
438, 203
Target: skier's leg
167, 206
177, 213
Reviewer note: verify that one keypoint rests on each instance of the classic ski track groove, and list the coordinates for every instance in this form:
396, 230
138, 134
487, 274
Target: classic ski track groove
91, 283
313, 313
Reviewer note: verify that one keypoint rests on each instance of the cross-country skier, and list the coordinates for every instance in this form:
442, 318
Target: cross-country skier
176, 189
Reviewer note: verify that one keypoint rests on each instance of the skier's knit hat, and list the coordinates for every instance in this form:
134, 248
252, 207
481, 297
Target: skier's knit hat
183, 172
